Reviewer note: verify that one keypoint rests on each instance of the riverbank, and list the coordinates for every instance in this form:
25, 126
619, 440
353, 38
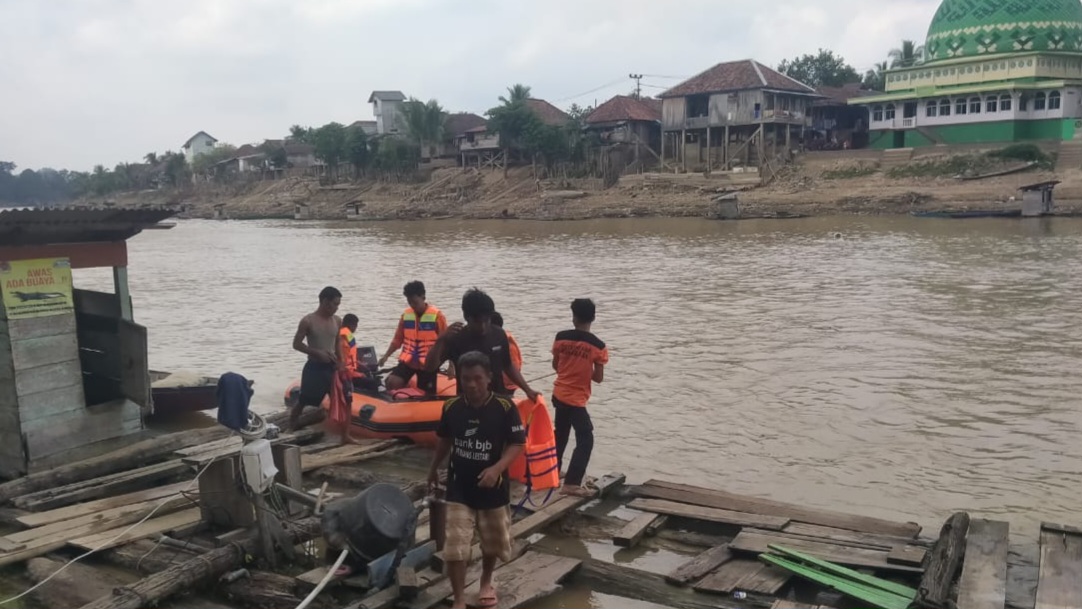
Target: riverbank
814, 185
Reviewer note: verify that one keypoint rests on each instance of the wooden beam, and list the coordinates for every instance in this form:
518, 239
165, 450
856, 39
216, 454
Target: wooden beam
943, 563
1060, 571
121, 535
758, 542
529, 578
150, 590
120, 288
629, 536
82, 255
700, 565
758, 505
748, 575
672, 508
618, 580
983, 584
123, 482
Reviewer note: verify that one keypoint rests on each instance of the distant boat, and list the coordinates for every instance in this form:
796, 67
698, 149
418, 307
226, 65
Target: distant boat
174, 393
970, 213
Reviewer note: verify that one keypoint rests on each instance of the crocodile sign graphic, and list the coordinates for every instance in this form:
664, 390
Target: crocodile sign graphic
36, 288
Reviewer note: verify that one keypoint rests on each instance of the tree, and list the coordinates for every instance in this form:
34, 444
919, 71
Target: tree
330, 144
357, 150
176, 168
301, 134
824, 69
151, 158
221, 152
512, 120
909, 54
876, 78
424, 122
276, 154
516, 93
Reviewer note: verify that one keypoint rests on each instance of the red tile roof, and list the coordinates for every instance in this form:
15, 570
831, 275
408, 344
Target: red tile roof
737, 76
549, 114
462, 122
838, 96
625, 108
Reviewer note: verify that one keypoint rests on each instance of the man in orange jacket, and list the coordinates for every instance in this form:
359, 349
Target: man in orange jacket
418, 328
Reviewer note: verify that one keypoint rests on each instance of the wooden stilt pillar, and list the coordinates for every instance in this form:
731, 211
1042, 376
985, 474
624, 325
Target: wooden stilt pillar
725, 148
709, 157
684, 149
120, 288
661, 157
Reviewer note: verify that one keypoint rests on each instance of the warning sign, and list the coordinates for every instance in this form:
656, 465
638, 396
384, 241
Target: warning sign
36, 288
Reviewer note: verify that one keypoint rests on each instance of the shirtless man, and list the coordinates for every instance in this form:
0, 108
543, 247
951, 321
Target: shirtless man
317, 337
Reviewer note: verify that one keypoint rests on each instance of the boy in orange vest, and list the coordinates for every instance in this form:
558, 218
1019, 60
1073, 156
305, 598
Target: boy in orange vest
579, 359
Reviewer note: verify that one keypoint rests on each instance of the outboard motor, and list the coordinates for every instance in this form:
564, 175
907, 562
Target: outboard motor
372, 524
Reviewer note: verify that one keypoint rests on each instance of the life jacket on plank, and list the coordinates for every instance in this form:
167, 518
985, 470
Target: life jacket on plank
537, 466
419, 334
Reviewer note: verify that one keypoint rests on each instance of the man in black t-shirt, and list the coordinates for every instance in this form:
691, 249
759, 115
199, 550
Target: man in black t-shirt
479, 334
483, 435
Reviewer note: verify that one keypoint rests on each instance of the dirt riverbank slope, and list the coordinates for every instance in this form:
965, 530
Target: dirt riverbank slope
812, 185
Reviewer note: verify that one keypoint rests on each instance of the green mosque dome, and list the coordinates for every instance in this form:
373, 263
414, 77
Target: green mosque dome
968, 28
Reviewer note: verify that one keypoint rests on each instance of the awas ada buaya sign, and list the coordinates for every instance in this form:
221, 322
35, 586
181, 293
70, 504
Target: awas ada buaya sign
36, 288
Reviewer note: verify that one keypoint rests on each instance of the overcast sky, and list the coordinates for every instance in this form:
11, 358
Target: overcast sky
103, 81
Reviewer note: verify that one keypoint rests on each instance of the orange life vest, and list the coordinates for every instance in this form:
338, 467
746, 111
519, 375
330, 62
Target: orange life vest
537, 466
516, 361
418, 335
348, 348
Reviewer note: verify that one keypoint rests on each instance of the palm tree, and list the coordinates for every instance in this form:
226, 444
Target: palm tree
424, 121
515, 94
875, 79
909, 54
151, 158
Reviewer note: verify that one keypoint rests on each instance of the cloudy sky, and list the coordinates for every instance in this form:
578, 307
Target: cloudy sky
103, 81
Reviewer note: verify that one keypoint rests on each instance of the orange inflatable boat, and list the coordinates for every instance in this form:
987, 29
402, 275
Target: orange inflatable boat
405, 414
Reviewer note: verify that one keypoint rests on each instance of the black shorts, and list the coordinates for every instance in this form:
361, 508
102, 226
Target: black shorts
426, 381
316, 379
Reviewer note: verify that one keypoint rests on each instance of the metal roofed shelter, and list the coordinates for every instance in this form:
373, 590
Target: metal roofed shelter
74, 377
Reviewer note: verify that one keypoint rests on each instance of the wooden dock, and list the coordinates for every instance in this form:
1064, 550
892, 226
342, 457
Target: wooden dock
735, 546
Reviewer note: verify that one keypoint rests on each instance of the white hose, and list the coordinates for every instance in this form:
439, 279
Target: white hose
326, 578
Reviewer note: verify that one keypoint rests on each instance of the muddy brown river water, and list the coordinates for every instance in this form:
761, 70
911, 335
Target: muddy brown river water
897, 367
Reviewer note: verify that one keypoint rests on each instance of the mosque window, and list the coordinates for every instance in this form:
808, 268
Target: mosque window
1054, 100
992, 104
888, 113
1005, 103
960, 106
931, 109
877, 113
1038, 101
974, 105
945, 107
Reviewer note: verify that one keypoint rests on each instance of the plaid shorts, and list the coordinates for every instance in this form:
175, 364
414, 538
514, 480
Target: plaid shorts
494, 527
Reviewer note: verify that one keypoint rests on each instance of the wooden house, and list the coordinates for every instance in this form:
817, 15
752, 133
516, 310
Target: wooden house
835, 124
481, 148
74, 379
628, 122
735, 113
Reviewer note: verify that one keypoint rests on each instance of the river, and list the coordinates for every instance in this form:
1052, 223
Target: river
892, 366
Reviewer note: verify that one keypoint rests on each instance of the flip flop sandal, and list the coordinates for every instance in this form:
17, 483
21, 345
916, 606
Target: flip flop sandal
344, 571
487, 602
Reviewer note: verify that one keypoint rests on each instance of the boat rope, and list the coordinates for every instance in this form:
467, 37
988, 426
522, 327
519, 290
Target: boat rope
326, 578
119, 535
541, 378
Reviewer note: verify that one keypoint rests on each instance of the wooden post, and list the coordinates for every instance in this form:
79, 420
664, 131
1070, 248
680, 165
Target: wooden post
287, 460
709, 164
662, 155
263, 521
220, 499
120, 287
684, 149
725, 147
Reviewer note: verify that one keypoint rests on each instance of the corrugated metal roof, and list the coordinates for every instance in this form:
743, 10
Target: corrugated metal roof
74, 225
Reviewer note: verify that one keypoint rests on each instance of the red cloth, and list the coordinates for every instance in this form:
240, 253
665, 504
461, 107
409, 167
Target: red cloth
341, 398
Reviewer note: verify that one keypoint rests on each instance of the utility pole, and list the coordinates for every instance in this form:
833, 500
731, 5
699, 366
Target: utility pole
638, 87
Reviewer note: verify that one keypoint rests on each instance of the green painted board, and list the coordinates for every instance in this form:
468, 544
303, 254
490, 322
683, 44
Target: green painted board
842, 572
880, 599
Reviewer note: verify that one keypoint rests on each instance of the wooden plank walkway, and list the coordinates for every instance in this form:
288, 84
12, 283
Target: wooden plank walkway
1059, 579
758, 542
755, 505
983, 584
154, 526
673, 508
